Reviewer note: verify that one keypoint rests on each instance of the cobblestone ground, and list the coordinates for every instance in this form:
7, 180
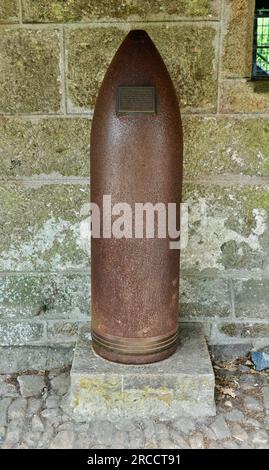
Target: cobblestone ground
31, 416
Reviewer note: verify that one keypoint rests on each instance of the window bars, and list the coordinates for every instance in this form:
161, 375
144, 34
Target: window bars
261, 41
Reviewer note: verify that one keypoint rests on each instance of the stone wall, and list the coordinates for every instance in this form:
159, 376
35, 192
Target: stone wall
53, 55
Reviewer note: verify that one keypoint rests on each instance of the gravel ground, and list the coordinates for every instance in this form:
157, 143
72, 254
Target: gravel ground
32, 417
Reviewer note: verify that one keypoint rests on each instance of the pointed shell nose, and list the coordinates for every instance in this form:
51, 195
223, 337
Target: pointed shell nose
138, 35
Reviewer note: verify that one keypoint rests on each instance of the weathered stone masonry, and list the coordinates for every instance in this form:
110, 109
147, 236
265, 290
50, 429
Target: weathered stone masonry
53, 55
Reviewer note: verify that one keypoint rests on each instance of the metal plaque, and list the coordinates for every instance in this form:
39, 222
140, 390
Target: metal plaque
136, 100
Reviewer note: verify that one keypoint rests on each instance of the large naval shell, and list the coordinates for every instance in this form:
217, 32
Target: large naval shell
136, 157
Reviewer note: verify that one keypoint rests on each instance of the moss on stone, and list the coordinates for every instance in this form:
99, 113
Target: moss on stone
224, 200
182, 393
18, 333
29, 81
62, 331
225, 145
40, 228
44, 296
83, 10
109, 391
192, 70
20, 290
251, 298
246, 330
9, 11
238, 20
230, 329
189, 54
244, 97
227, 227
204, 297
90, 52
29, 147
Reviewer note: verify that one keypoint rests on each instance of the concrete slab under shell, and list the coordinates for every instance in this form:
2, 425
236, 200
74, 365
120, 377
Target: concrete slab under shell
182, 385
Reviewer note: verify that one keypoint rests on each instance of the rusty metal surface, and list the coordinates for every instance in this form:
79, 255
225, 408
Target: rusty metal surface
135, 158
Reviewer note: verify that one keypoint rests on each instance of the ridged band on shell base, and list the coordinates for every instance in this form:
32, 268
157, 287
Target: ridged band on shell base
135, 350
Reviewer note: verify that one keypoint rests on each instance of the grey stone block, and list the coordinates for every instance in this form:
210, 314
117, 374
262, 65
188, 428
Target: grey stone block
63, 440
203, 297
234, 415
248, 382
260, 438
62, 331
31, 385
180, 385
17, 410
2, 434
7, 387
33, 406
52, 402
59, 298
228, 352
265, 392
60, 384
19, 333
197, 441
239, 433
252, 404
220, 428
251, 298
4, 404
24, 358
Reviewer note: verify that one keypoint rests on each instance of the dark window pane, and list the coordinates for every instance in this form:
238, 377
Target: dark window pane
261, 40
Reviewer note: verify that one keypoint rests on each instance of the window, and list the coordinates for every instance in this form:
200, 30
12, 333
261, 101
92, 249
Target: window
261, 40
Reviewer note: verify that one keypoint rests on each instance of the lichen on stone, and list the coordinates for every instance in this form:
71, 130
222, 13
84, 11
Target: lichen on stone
120, 10
241, 96
9, 11
44, 296
40, 228
238, 24
225, 145
29, 82
221, 216
245, 330
193, 70
29, 147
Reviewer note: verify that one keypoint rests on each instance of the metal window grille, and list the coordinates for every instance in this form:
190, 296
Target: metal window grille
261, 40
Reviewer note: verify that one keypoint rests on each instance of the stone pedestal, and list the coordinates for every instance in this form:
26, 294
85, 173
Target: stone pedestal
182, 385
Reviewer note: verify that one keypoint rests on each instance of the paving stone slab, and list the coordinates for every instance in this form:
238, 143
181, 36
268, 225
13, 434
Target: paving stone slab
252, 404
21, 358
220, 428
265, 392
31, 385
182, 385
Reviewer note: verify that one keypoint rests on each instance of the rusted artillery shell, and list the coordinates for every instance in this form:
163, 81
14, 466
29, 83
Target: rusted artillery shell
136, 157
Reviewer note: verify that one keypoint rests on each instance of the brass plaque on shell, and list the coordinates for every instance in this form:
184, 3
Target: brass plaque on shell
136, 100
